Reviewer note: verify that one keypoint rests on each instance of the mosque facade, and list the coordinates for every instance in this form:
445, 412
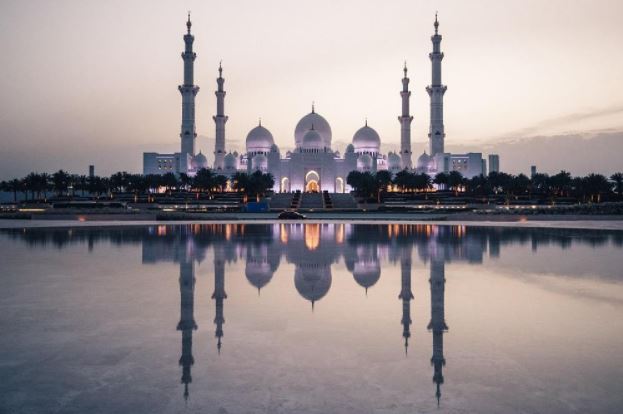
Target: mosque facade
314, 165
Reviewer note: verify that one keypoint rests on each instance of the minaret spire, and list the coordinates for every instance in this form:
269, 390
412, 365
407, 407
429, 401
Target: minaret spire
405, 120
406, 295
219, 295
436, 90
187, 320
188, 91
437, 321
220, 119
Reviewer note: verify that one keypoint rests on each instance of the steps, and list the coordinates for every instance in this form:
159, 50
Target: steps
311, 201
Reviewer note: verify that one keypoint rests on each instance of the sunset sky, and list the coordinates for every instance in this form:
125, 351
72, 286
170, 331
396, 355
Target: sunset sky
91, 82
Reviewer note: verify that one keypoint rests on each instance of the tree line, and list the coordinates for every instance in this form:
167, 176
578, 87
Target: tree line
37, 186
589, 188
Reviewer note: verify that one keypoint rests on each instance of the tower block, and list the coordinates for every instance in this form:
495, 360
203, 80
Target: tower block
437, 321
405, 124
436, 133
219, 120
188, 91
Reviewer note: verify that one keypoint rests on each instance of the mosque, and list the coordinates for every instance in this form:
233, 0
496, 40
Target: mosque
314, 165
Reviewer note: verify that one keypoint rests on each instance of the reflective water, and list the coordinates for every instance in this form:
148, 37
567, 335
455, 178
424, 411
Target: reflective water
311, 318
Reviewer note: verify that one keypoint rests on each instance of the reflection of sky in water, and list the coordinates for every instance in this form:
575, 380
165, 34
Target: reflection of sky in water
310, 318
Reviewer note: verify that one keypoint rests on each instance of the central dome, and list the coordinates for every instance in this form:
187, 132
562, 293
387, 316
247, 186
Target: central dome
320, 125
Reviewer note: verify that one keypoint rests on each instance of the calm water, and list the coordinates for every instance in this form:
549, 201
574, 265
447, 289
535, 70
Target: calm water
311, 318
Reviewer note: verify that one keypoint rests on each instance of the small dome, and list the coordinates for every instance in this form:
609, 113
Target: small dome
366, 274
312, 140
274, 148
423, 160
259, 139
258, 273
230, 161
364, 162
320, 125
366, 140
259, 162
200, 161
350, 148
393, 160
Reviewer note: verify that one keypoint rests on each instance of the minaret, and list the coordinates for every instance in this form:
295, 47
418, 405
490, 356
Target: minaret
220, 119
187, 319
436, 91
219, 295
406, 295
437, 321
405, 123
188, 90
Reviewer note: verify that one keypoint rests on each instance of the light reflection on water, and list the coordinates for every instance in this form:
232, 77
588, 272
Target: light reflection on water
511, 271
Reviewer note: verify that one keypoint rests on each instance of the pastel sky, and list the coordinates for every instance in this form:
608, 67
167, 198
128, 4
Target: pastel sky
92, 82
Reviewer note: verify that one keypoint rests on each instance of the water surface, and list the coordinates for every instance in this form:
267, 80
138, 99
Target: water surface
310, 318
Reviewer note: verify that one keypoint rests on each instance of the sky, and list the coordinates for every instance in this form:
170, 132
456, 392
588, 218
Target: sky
91, 82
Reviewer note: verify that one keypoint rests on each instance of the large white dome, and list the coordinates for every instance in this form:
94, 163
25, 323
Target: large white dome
320, 125
259, 139
366, 140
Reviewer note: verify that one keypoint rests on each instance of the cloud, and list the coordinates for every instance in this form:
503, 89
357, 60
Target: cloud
565, 121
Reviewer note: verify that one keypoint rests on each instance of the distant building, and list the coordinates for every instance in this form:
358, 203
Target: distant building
494, 163
91, 171
532, 171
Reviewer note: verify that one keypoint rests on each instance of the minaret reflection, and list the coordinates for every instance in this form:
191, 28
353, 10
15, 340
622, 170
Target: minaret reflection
406, 295
187, 316
437, 322
219, 293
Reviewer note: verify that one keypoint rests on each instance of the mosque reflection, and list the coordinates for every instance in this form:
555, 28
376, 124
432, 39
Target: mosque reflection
313, 248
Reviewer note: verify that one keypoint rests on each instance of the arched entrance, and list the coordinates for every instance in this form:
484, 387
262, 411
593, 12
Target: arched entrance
339, 185
285, 184
312, 182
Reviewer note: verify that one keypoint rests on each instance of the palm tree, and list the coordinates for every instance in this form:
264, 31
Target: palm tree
383, 180
595, 185
82, 184
14, 186
455, 179
60, 180
185, 181
204, 180
561, 183
618, 182
441, 179
401, 180
220, 182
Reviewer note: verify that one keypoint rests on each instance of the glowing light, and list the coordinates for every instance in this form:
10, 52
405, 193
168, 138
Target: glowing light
312, 236
339, 234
